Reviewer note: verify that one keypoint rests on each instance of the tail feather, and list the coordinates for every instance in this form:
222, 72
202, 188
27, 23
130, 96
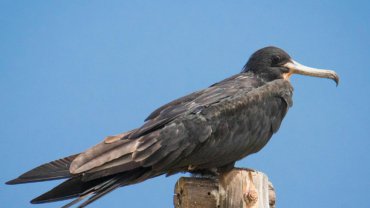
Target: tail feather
100, 193
70, 188
76, 187
70, 204
56, 169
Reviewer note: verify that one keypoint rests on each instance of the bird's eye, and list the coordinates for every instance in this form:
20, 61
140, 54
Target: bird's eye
276, 59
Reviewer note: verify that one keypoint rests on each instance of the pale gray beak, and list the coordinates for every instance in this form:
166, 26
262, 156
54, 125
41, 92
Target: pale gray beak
297, 68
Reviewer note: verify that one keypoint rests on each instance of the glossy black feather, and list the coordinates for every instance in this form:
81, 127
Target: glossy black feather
56, 169
92, 190
239, 113
208, 129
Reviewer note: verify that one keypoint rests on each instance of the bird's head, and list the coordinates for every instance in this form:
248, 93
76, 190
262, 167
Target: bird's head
272, 63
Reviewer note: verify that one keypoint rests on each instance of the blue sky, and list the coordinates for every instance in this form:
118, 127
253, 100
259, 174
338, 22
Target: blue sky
73, 72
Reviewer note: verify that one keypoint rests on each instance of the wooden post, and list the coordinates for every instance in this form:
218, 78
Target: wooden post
238, 188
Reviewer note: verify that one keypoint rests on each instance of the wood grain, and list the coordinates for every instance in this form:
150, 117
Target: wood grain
238, 188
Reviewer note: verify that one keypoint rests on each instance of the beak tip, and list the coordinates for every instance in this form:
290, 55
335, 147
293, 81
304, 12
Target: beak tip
336, 82
336, 79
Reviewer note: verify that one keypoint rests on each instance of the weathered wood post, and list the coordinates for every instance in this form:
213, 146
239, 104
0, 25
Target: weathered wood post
238, 188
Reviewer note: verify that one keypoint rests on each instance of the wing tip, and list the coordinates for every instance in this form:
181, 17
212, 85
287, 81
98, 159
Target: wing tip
46, 198
13, 182
35, 201
57, 169
21, 180
40, 200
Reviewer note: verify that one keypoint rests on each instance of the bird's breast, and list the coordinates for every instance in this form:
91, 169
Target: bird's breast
242, 124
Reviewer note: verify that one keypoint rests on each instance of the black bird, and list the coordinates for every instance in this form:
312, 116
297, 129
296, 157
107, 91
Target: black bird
203, 132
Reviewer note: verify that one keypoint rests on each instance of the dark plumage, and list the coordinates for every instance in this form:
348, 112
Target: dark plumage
206, 131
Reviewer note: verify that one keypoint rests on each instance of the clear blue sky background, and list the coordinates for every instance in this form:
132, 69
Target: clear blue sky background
73, 72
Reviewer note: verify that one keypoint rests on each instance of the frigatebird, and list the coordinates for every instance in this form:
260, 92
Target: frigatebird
204, 132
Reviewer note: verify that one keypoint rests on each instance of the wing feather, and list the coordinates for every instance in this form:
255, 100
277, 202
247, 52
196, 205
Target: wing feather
56, 169
189, 131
